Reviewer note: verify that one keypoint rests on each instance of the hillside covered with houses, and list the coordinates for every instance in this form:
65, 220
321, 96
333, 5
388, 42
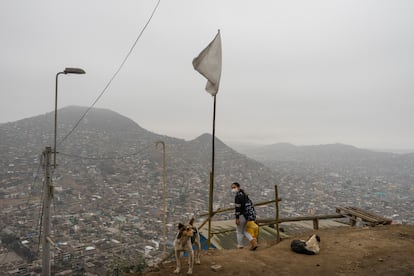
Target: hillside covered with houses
108, 187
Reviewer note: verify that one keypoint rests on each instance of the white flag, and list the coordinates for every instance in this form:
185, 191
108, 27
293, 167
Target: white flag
208, 64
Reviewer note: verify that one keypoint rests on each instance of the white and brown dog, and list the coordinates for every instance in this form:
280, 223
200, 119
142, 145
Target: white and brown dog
187, 236
308, 247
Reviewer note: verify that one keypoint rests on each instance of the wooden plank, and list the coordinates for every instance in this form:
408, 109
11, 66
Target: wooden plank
288, 219
375, 218
354, 215
362, 215
365, 216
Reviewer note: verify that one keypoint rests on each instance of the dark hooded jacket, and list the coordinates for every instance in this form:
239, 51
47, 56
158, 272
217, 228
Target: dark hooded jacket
244, 206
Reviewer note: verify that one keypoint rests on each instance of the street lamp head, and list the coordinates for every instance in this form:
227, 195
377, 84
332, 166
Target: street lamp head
74, 71
68, 70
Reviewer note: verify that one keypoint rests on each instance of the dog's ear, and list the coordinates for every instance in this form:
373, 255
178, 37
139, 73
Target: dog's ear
191, 221
180, 225
318, 238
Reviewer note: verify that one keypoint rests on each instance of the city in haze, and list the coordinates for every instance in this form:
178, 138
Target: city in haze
108, 187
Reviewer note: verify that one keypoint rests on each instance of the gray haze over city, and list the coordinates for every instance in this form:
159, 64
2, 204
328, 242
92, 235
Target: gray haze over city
303, 72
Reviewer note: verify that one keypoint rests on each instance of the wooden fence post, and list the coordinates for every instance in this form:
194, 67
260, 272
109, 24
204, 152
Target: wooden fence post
277, 214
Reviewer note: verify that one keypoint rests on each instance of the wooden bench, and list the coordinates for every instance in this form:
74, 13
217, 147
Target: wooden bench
366, 217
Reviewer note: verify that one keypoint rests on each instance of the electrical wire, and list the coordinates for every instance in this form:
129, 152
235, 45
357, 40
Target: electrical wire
86, 112
41, 216
113, 76
30, 196
54, 228
35, 178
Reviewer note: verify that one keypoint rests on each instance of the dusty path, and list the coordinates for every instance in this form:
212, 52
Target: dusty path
381, 250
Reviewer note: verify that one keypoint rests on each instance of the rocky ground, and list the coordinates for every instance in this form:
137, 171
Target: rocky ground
380, 250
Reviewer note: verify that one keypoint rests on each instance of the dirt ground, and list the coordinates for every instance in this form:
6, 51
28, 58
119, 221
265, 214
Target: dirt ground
380, 250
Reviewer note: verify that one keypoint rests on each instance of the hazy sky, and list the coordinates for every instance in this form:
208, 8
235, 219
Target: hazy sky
304, 72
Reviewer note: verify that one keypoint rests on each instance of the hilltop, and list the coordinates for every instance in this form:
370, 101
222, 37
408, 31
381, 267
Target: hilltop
380, 250
118, 150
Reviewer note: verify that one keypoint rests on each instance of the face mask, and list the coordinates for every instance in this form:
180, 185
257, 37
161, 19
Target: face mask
234, 190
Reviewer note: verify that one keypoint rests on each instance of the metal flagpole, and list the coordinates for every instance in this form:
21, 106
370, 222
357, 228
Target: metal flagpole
210, 206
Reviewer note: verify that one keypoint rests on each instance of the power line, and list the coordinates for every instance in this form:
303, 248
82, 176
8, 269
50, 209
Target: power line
40, 218
113, 76
35, 178
89, 108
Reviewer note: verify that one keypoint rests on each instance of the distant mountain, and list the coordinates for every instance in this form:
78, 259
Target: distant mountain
108, 153
290, 152
336, 157
114, 144
38, 131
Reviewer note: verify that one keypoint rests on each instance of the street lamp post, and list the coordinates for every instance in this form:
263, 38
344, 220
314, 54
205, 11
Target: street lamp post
66, 71
48, 189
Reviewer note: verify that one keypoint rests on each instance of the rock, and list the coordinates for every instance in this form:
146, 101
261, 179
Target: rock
216, 267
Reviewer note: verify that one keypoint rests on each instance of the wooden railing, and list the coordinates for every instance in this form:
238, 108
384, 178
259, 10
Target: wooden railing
367, 217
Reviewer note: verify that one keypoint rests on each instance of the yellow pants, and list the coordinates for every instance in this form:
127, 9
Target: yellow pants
252, 228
